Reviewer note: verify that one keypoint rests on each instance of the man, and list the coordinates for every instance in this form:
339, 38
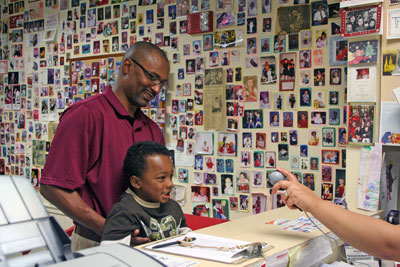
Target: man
368, 234
320, 17
83, 173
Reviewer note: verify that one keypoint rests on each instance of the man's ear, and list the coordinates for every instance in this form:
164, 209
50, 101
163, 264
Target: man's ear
127, 64
136, 182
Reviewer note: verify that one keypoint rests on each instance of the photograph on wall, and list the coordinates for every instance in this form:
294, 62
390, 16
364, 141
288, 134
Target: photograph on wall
391, 62
363, 52
227, 144
244, 202
338, 51
200, 193
293, 19
265, 44
268, 72
393, 25
390, 128
287, 63
348, 3
220, 209
253, 119
361, 20
225, 19
362, 80
227, 184
361, 123
228, 38
330, 156
204, 143
319, 13
201, 209
259, 203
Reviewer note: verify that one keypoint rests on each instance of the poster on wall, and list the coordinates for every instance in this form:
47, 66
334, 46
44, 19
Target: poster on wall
362, 84
370, 177
390, 127
361, 123
293, 19
390, 181
347, 3
361, 20
393, 25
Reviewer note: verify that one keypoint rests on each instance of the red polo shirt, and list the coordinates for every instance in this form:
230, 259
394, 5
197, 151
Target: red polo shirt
89, 147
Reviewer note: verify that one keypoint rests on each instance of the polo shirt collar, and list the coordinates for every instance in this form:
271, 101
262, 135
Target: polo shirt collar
141, 202
119, 108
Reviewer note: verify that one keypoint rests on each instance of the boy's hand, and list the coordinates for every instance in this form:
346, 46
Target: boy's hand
135, 240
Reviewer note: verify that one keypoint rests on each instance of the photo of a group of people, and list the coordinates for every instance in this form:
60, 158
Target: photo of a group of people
361, 20
360, 123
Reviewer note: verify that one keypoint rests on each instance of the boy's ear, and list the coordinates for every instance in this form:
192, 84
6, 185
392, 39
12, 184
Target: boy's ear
135, 182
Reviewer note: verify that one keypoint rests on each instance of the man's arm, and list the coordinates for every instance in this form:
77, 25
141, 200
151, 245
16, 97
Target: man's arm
368, 234
71, 203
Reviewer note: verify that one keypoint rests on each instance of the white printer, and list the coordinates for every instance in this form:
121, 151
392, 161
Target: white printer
26, 226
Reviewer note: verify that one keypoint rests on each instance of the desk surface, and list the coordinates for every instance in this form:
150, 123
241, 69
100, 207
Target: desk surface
254, 229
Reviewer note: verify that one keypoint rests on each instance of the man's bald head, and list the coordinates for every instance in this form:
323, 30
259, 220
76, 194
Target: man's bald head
142, 48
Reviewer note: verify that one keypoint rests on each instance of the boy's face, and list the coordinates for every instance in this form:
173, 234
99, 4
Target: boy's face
155, 185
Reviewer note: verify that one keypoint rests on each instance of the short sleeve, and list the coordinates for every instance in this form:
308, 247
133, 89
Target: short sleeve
68, 160
119, 224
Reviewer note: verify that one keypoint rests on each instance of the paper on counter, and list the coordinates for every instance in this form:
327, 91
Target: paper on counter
203, 253
172, 261
301, 224
316, 251
278, 259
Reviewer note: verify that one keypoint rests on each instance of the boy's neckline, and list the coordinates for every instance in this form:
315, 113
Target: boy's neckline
146, 204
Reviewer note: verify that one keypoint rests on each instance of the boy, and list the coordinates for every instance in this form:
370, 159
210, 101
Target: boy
146, 204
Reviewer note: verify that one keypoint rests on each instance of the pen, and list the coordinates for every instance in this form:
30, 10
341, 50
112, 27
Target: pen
173, 243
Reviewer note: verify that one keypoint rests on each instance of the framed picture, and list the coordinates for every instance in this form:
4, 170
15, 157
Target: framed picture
348, 3
342, 136
362, 80
204, 143
208, 42
270, 159
257, 179
338, 51
253, 119
361, 20
268, 72
227, 144
227, 184
259, 203
361, 123
363, 52
319, 13
244, 202
328, 137
3, 66
393, 28
287, 71
330, 156
220, 209
265, 44
306, 39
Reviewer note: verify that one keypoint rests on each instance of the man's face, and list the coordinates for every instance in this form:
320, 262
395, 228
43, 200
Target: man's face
140, 90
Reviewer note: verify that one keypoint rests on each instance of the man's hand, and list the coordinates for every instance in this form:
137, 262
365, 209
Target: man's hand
135, 240
296, 193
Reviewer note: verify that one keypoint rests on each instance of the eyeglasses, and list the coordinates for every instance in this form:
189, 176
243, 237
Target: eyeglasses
153, 78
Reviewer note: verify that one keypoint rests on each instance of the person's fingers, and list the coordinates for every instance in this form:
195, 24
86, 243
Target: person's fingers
280, 185
136, 232
288, 174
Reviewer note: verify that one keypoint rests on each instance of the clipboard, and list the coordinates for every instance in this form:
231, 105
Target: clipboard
211, 253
